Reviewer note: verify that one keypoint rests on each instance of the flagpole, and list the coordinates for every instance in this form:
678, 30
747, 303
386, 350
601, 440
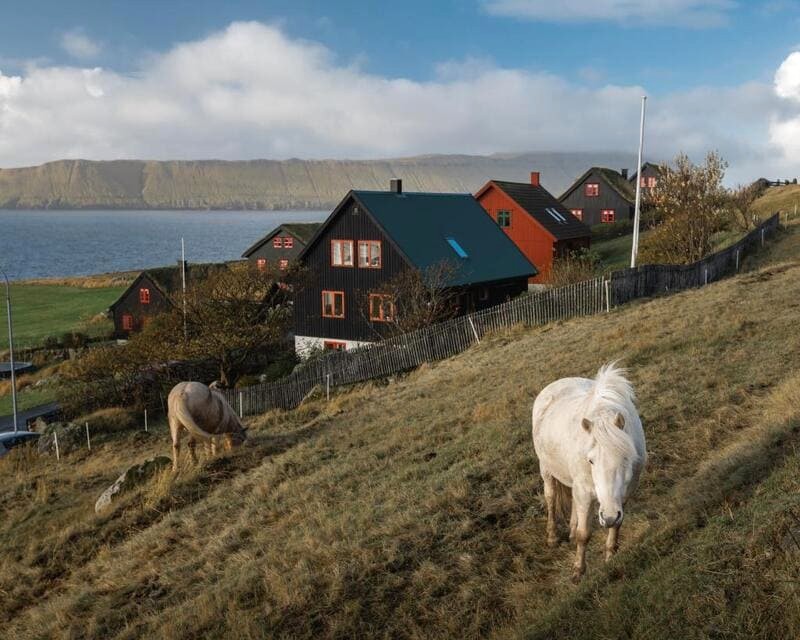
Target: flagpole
638, 207
183, 281
11, 354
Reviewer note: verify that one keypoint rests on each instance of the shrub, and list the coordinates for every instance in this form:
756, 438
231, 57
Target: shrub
110, 420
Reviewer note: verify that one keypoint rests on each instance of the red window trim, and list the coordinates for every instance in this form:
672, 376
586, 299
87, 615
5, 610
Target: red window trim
578, 213
333, 307
596, 189
334, 345
288, 242
283, 264
144, 295
127, 322
608, 216
261, 264
352, 253
380, 257
381, 318
277, 242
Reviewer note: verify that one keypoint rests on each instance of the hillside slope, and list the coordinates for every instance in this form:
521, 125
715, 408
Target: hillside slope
413, 508
272, 184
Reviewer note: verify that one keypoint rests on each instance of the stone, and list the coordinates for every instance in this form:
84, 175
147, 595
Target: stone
133, 477
71, 436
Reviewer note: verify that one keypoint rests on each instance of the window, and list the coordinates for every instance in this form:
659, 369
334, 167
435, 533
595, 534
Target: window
342, 253
333, 304
127, 322
381, 307
144, 295
369, 254
283, 265
261, 263
592, 190
334, 345
457, 247
504, 218
277, 242
607, 215
288, 242
578, 213
651, 182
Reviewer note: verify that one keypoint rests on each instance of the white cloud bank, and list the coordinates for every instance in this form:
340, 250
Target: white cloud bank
79, 45
251, 92
686, 13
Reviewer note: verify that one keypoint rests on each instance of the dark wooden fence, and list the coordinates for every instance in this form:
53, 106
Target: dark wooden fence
444, 340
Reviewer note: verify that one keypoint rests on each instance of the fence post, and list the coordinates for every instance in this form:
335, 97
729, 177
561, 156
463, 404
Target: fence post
762, 236
705, 275
474, 331
145, 420
88, 439
608, 299
328, 387
737, 260
55, 440
241, 404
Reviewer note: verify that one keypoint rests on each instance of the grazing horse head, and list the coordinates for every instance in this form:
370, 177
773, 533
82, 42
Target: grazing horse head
612, 456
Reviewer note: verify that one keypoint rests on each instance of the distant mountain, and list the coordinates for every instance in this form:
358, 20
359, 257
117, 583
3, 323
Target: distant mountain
273, 184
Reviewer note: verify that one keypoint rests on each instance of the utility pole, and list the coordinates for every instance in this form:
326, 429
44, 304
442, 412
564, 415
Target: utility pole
11, 352
638, 208
183, 280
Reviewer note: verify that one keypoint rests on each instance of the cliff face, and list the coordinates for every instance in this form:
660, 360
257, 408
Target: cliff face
272, 184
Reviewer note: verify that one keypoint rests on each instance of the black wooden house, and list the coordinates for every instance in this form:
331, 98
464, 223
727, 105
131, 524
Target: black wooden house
372, 236
151, 293
600, 195
281, 246
651, 173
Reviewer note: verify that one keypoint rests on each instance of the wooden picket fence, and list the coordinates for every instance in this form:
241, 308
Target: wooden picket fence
444, 340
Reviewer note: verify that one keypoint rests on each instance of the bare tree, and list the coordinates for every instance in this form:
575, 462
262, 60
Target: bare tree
413, 299
742, 213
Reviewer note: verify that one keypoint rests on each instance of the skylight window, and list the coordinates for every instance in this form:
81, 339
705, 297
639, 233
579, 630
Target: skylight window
556, 215
457, 247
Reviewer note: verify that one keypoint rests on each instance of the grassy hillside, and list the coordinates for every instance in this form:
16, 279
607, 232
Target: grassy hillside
413, 508
41, 310
272, 184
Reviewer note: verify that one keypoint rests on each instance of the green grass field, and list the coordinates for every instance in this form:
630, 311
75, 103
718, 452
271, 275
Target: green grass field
44, 310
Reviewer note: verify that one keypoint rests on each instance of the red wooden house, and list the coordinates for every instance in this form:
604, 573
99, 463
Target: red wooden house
535, 220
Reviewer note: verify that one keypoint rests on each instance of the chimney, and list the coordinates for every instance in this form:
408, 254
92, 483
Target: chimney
535, 178
624, 173
396, 185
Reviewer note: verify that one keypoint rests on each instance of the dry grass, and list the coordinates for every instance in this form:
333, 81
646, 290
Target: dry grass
413, 509
95, 281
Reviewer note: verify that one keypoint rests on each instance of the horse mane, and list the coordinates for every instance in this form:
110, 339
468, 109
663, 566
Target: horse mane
612, 393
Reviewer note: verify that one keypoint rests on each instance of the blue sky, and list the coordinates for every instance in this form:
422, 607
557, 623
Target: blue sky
569, 68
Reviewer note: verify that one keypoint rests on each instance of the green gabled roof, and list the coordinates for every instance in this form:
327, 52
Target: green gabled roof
303, 231
420, 224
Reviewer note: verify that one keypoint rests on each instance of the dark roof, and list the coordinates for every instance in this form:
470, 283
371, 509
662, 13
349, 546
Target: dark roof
536, 200
611, 177
169, 280
429, 228
302, 231
658, 167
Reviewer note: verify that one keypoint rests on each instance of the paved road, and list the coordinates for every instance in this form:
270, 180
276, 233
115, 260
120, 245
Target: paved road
7, 422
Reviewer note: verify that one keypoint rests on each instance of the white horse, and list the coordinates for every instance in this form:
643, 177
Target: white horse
589, 440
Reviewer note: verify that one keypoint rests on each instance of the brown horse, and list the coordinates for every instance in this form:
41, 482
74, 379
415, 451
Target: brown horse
205, 415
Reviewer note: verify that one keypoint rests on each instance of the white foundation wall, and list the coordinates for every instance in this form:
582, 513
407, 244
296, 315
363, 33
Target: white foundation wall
304, 345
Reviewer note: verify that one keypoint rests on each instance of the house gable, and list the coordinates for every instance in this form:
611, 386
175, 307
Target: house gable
615, 195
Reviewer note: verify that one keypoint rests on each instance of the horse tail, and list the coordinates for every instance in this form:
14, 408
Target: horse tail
188, 422
562, 500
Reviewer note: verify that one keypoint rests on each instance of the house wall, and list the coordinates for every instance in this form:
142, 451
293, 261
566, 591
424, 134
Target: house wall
352, 223
609, 198
129, 304
273, 255
531, 238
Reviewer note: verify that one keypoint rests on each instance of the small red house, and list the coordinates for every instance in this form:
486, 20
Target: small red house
535, 220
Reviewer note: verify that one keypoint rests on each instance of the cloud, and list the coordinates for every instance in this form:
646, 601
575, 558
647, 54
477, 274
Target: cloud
785, 131
250, 91
79, 45
686, 13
